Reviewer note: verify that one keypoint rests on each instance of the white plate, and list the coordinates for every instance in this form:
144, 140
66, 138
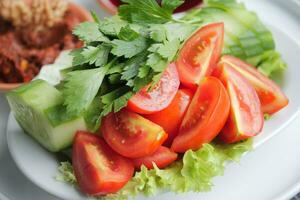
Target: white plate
41, 167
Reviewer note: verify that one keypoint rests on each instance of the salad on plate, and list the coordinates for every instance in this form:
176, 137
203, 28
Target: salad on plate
155, 102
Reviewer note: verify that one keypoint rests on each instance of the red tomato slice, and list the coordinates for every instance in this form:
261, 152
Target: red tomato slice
246, 117
160, 97
171, 117
205, 116
98, 169
162, 158
271, 97
131, 135
200, 54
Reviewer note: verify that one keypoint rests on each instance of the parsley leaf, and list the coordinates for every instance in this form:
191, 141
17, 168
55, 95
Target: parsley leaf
115, 100
111, 26
116, 68
127, 34
96, 55
171, 5
128, 49
143, 71
158, 33
89, 32
170, 31
156, 62
78, 58
138, 44
148, 11
169, 49
81, 87
92, 115
131, 67
122, 101
180, 31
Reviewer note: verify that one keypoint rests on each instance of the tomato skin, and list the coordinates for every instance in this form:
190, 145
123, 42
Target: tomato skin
246, 117
271, 96
171, 117
200, 54
98, 169
159, 97
205, 117
162, 158
132, 135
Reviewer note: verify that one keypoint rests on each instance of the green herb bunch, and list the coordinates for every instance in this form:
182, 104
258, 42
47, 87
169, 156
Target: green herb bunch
121, 55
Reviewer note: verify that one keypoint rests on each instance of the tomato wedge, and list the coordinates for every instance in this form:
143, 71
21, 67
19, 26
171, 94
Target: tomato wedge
200, 54
98, 169
132, 135
205, 116
148, 102
271, 97
171, 117
162, 158
246, 117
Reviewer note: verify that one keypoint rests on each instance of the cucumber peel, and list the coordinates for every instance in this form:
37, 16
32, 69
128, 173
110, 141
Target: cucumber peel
38, 108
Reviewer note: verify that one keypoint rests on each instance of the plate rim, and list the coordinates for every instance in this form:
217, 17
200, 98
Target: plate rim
18, 164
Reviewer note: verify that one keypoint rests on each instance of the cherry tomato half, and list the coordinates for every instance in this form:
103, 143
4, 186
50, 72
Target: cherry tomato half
132, 135
271, 97
162, 158
148, 102
205, 116
246, 117
171, 117
200, 54
98, 169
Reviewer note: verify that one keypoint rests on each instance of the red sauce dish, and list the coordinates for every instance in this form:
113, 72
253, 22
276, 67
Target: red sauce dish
23, 52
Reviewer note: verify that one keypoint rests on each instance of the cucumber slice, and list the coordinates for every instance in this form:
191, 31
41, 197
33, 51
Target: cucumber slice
38, 109
250, 21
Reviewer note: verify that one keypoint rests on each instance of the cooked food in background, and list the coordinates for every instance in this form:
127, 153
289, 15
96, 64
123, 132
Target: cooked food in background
33, 35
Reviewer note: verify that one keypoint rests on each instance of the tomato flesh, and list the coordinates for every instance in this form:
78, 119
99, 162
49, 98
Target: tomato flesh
246, 117
171, 117
205, 116
162, 158
200, 54
98, 169
271, 97
148, 102
132, 135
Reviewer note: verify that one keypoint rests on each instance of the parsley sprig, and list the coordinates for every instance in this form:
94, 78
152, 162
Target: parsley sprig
121, 55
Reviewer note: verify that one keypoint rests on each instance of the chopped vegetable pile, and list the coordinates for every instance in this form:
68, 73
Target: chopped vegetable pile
156, 103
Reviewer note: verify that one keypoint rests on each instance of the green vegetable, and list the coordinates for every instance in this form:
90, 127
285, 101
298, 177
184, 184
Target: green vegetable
138, 44
148, 11
267, 116
89, 32
81, 88
193, 173
122, 54
128, 49
246, 36
66, 173
38, 108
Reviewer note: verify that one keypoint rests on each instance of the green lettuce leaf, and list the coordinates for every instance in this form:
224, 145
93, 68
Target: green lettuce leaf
194, 172
66, 173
